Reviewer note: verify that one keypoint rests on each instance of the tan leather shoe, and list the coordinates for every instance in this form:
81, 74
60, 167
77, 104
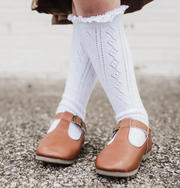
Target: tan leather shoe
120, 158
57, 146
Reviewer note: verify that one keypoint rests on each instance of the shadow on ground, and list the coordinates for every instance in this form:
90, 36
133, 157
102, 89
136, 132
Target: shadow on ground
26, 107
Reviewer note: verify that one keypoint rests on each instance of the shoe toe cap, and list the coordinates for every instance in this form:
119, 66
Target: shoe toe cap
113, 162
60, 150
54, 152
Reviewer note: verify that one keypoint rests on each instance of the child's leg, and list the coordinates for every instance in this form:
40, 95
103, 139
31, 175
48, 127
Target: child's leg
108, 49
66, 135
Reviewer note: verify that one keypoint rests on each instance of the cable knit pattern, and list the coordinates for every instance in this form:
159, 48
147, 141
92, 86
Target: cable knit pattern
110, 55
81, 78
108, 16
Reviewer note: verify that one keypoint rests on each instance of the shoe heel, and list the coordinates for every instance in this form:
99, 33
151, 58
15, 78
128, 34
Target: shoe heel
146, 156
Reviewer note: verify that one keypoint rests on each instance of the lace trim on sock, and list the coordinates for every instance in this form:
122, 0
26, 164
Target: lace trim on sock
108, 16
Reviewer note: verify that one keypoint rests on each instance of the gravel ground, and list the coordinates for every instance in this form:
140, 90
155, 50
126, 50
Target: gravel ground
26, 106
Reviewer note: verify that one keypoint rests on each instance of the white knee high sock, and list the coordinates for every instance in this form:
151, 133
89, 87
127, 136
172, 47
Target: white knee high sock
80, 81
81, 78
108, 49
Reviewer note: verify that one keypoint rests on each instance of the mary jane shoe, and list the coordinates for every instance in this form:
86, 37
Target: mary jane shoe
57, 146
120, 158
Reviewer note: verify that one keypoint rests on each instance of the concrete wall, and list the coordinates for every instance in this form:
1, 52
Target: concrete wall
31, 46
154, 35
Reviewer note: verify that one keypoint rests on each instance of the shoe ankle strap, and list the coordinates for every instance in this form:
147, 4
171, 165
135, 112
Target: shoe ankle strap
75, 119
133, 123
128, 123
138, 124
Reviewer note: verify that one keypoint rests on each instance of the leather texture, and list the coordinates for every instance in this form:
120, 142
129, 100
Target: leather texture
60, 8
121, 155
58, 144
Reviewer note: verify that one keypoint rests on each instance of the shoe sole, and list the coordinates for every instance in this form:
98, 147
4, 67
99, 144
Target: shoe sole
53, 160
122, 174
